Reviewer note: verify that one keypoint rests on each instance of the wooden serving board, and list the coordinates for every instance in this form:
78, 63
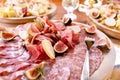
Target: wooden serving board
109, 31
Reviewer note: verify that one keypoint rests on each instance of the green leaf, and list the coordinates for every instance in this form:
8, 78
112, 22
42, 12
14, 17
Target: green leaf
41, 72
38, 23
110, 79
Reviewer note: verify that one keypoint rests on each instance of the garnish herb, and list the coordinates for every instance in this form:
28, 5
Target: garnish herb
38, 23
110, 79
41, 72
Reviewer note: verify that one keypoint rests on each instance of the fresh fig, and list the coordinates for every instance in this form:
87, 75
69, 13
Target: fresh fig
66, 21
34, 72
60, 47
91, 29
7, 36
95, 13
89, 42
104, 45
24, 11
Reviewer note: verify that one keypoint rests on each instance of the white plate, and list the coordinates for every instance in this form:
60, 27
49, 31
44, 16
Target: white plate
107, 65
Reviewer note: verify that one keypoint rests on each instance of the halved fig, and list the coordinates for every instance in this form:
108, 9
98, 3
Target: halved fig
76, 29
110, 22
48, 48
91, 29
66, 21
60, 47
104, 45
35, 72
7, 36
95, 15
24, 11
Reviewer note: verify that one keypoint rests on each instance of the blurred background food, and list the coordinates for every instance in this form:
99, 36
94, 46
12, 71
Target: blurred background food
23, 8
108, 14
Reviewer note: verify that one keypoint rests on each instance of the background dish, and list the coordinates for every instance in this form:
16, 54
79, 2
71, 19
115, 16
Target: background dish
50, 14
109, 31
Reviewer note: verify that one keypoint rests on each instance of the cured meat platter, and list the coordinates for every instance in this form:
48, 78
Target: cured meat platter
45, 49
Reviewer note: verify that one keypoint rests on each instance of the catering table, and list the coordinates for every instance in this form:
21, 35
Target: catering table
81, 17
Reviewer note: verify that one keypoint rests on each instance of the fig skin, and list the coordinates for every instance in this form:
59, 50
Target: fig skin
91, 30
66, 21
7, 36
104, 45
95, 15
32, 74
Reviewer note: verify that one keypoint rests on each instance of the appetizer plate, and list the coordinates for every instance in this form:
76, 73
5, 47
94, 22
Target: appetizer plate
106, 65
19, 20
109, 31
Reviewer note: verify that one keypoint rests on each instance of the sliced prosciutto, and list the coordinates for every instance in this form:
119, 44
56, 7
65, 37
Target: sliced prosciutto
68, 36
36, 53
